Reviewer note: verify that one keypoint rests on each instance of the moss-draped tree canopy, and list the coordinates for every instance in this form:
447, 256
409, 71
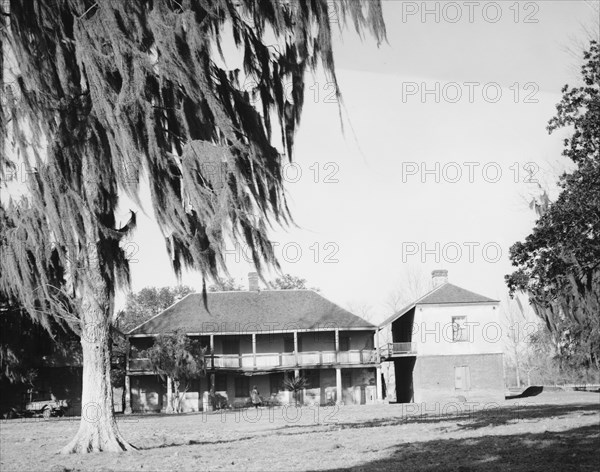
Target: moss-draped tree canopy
105, 92
111, 90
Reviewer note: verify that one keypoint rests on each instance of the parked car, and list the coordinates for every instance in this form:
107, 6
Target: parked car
46, 405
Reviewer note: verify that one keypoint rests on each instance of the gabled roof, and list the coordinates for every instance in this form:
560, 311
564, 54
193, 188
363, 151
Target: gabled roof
443, 294
235, 312
449, 293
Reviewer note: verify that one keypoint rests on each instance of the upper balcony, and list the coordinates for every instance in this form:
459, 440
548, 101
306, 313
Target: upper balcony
391, 350
275, 361
273, 351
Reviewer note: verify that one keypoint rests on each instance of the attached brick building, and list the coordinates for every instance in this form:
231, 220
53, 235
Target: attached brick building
445, 346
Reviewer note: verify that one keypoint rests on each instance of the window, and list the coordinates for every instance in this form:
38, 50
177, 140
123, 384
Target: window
462, 378
276, 382
344, 342
242, 386
346, 378
220, 383
313, 378
460, 333
231, 345
288, 342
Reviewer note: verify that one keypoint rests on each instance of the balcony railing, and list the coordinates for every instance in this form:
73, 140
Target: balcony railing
397, 350
140, 364
276, 360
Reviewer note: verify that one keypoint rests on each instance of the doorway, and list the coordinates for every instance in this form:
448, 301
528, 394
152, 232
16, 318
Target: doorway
404, 368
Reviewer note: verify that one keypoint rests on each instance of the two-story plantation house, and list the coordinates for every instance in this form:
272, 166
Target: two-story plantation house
445, 346
260, 337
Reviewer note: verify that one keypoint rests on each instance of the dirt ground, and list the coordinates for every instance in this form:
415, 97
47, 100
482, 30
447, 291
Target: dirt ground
554, 431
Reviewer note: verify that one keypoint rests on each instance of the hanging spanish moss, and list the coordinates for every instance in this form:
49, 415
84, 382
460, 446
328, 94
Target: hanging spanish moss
110, 91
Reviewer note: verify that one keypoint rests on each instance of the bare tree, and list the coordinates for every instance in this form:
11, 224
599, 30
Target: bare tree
362, 309
412, 284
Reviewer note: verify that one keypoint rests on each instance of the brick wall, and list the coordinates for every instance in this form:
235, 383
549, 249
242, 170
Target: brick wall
434, 378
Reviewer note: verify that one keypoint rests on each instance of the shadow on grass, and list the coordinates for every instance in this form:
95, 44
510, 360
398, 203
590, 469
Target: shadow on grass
456, 415
528, 392
193, 442
570, 450
465, 416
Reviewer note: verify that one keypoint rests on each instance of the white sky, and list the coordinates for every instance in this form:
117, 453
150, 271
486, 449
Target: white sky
362, 211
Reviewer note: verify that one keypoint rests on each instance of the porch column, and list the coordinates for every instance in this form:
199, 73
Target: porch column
212, 351
169, 408
338, 385
378, 383
127, 395
296, 348
254, 348
127, 379
378, 353
337, 344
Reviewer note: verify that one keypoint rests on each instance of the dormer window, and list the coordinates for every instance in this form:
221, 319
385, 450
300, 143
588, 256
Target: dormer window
460, 332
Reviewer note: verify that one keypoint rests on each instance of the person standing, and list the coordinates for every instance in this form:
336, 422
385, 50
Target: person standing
255, 397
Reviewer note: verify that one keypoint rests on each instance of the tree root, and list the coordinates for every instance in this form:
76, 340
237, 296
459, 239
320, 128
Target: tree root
86, 441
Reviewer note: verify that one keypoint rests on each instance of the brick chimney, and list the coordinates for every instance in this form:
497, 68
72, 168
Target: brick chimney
253, 282
439, 277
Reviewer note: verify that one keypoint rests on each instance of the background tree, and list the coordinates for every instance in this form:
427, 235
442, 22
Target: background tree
177, 359
412, 284
514, 326
530, 353
15, 364
289, 282
558, 265
364, 310
541, 364
112, 90
227, 284
148, 302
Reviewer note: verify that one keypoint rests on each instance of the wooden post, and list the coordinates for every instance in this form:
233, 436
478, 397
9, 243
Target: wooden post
254, 348
296, 346
378, 383
169, 408
337, 345
212, 351
127, 379
338, 385
127, 395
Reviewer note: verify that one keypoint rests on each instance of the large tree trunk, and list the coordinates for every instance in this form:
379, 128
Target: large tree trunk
517, 368
98, 429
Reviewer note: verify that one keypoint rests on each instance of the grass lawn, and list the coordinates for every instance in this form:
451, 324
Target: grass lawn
553, 431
